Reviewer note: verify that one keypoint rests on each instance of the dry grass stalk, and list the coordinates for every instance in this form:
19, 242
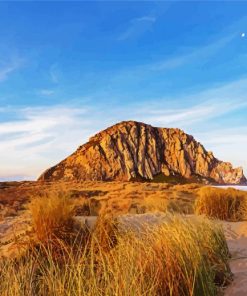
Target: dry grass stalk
52, 216
225, 204
183, 256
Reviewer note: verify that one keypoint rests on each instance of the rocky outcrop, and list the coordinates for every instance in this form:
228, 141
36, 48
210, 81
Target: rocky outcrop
132, 150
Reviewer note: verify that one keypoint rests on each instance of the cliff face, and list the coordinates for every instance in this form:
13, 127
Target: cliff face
136, 151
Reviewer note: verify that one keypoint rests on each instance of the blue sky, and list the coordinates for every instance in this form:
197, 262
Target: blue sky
70, 69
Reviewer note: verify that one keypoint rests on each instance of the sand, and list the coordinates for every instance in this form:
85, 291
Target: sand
236, 235
14, 232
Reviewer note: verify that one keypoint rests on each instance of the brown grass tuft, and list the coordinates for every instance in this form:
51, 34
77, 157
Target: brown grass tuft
225, 204
104, 233
52, 216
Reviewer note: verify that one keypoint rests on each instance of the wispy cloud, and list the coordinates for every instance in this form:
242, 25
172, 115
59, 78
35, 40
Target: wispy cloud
5, 71
145, 19
137, 27
46, 92
200, 54
184, 56
53, 72
211, 103
8, 67
221, 136
196, 55
42, 136
227, 144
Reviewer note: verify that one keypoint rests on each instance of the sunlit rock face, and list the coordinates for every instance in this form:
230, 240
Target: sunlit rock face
133, 150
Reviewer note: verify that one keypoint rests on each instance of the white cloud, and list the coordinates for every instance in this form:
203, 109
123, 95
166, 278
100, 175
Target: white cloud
185, 113
42, 136
198, 54
145, 19
137, 27
187, 55
5, 71
54, 75
228, 144
8, 67
46, 92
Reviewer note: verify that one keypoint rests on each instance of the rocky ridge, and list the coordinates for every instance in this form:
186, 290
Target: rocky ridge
133, 150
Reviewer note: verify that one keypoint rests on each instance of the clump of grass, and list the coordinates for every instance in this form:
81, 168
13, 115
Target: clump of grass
183, 256
104, 234
225, 204
153, 204
52, 216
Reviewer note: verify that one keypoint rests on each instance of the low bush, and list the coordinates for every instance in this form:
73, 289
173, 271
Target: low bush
225, 204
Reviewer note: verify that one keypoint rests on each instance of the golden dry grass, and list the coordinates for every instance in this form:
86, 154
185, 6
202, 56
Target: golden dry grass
225, 204
52, 216
96, 198
153, 204
183, 256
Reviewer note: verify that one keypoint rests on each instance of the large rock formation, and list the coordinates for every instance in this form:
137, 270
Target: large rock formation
132, 150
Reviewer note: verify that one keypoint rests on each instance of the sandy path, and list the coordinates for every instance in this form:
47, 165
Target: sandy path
236, 235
